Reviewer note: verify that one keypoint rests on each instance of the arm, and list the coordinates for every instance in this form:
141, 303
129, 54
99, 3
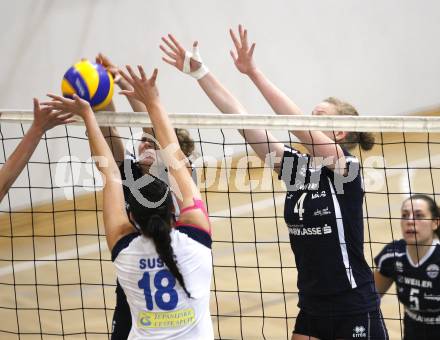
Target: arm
317, 143
116, 222
44, 119
145, 90
261, 141
382, 282
113, 138
136, 105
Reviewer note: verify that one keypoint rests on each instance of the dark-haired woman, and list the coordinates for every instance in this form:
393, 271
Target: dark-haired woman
323, 206
166, 269
413, 264
132, 169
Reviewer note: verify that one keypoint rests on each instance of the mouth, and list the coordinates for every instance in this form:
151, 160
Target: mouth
147, 154
411, 233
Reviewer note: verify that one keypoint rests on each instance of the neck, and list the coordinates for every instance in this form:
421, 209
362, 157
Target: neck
416, 252
145, 169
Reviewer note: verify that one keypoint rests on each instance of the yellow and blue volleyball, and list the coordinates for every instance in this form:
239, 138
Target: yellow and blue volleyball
89, 81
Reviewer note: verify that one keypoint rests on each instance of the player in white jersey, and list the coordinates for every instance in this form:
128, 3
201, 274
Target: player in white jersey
44, 119
144, 163
166, 269
413, 264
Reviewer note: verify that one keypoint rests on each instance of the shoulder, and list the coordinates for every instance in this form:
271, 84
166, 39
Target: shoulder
192, 235
290, 157
123, 243
391, 252
349, 158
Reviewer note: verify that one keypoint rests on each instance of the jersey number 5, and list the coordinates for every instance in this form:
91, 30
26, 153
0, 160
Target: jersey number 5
413, 298
165, 297
298, 207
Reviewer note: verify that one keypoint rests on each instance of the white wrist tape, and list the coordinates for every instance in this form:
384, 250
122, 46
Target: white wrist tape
201, 71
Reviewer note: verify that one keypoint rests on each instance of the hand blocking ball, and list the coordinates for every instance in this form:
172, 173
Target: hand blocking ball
91, 82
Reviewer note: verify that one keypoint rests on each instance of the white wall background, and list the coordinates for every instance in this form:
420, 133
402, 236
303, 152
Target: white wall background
381, 55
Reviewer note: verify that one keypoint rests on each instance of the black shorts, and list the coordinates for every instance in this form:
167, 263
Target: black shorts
414, 330
368, 325
121, 325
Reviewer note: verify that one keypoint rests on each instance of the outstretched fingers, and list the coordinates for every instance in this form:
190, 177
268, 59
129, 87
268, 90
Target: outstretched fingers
132, 74
234, 39
154, 76
168, 53
142, 73
170, 45
176, 44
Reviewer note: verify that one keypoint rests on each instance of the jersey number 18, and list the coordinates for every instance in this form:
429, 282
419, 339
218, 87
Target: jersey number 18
162, 290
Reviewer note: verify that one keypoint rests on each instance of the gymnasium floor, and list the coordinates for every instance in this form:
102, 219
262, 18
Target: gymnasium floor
80, 283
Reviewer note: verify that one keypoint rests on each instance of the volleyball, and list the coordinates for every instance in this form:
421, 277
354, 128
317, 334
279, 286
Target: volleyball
90, 81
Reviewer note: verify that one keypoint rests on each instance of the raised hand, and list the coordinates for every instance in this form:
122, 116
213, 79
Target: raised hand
243, 55
46, 118
69, 106
109, 66
144, 89
185, 61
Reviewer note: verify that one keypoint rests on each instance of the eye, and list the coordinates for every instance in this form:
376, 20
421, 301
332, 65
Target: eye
144, 139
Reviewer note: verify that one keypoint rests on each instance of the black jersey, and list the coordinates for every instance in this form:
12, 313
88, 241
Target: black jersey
418, 285
326, 234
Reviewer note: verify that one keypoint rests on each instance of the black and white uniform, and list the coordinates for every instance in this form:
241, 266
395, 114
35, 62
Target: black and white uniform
337, 298
121, 324
418, 287
160, 308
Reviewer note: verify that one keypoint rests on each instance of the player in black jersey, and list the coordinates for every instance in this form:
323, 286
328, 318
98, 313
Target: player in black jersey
323, 207
144, 163
413, 264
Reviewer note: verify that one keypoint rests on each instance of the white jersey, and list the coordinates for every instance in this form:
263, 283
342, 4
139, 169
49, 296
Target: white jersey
160, 308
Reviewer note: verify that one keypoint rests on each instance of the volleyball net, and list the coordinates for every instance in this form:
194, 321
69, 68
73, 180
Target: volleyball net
56, 277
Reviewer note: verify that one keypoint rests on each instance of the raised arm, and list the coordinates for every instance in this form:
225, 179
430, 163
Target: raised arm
317, 142
116, 222
136, 105
145, 90
261, 141
44, 119
113, 138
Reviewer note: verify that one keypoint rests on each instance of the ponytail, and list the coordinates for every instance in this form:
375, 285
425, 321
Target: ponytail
155, 223
159, 231
364, 139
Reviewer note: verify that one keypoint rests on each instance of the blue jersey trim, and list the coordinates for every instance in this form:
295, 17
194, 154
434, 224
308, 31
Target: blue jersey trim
122, 244
196, 234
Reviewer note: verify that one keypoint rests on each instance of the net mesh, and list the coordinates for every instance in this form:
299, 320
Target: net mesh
56, 277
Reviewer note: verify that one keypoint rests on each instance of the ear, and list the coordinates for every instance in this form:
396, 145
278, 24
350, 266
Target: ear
436, 225
340, 135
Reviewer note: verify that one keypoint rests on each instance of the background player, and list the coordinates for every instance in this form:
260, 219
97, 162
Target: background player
44, 119
337, 297
413, 263
148, 264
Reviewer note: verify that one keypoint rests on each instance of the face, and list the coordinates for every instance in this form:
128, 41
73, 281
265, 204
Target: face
146, 151
416, 223
327, 109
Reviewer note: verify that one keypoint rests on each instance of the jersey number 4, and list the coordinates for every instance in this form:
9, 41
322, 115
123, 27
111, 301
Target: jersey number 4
166, 296
298, 207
